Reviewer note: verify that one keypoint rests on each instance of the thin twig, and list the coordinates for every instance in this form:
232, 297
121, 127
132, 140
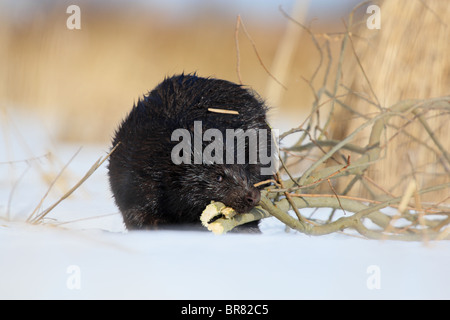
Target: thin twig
31, 216
240, 23
238, 55
93, 168
216, 110
336, 195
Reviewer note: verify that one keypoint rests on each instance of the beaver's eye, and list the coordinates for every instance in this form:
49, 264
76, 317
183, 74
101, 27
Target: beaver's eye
219, 178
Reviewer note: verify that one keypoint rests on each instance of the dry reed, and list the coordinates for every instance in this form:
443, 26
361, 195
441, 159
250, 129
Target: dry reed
367, 136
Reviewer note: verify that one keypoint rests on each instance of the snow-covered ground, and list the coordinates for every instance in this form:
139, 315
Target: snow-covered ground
91, 256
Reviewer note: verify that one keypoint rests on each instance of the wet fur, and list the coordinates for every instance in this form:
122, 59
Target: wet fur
149, 189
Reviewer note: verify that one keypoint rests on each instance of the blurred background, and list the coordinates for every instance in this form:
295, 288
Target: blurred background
77, 85
81, 83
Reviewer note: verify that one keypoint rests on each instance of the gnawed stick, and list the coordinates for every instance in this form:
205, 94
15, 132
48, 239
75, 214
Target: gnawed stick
220, 219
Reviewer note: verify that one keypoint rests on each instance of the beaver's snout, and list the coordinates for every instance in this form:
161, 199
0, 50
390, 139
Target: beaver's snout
252, 197
245, 201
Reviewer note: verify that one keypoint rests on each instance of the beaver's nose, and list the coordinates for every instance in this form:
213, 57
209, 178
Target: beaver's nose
253, 197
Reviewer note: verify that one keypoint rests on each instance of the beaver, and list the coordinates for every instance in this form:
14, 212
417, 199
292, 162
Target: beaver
154, 191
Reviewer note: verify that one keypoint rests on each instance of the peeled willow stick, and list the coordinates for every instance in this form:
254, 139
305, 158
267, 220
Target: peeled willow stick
216, 110
314, 175
220, 219
279, 209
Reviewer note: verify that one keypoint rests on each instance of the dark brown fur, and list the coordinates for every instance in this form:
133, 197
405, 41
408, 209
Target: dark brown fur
149, 189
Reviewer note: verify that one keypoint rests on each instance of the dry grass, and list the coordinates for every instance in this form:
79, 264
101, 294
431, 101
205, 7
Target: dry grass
379, 96
408, 58
390, 120
87, 80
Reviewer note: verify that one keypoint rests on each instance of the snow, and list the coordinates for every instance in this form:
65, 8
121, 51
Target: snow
97, 258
